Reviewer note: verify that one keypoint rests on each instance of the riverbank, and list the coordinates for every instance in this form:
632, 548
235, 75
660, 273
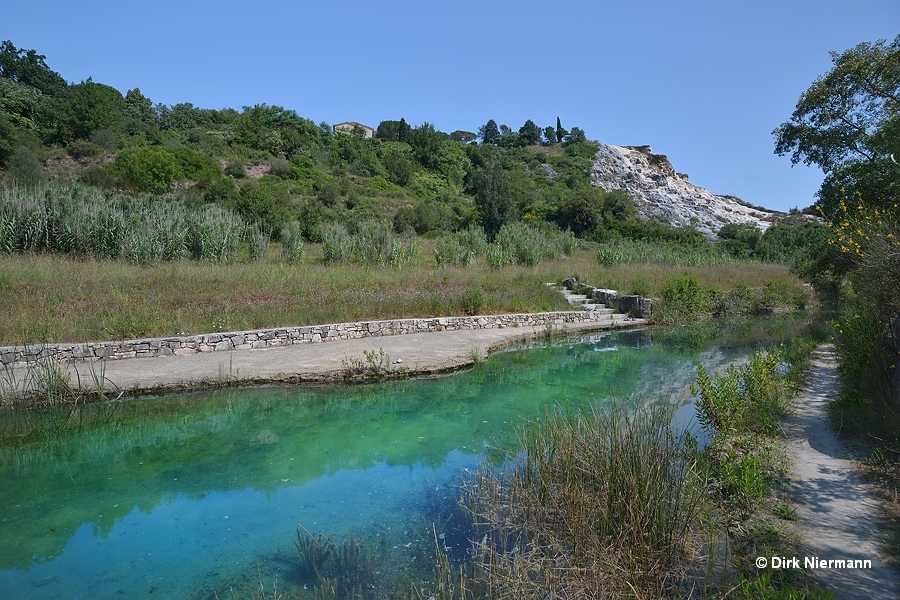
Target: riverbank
409, 354
837, 513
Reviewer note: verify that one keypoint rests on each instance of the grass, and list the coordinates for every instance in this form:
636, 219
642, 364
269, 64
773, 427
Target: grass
598, 504
866, 414
47, 298
618, 505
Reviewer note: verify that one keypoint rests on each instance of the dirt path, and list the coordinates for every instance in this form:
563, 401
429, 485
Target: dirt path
837, 513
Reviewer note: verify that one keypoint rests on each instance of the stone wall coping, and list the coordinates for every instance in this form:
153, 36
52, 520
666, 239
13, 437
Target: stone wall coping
281, 336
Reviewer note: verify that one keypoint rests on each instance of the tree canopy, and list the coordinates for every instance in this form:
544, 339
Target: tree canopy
848, 124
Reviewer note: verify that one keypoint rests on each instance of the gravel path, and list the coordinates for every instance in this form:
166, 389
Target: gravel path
837, 512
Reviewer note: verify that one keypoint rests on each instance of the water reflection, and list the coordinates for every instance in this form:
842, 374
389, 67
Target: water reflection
188, 493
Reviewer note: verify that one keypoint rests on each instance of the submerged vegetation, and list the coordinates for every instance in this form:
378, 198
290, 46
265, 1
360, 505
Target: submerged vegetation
614, 502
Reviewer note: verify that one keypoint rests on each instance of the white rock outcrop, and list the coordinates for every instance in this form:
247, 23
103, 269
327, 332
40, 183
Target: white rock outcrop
661, 193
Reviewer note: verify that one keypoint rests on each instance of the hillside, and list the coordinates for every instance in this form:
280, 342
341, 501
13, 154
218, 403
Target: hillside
662, 193
274, 168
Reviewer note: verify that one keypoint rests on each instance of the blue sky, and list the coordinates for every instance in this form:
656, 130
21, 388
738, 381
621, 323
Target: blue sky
704, 82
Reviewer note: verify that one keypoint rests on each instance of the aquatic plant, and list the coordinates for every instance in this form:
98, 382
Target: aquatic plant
595, 504
336, 571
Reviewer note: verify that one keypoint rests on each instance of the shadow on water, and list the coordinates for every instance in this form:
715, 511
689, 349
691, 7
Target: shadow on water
194, 493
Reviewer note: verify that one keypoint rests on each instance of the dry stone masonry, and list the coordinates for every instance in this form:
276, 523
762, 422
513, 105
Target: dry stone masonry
284, 336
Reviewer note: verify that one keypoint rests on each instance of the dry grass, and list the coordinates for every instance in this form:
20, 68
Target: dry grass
597, 505
52, 298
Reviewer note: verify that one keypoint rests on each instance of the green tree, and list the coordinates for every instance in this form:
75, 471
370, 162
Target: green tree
530, 132
139, 109
85, 108
848, 123
388, 131
560, 132
28, 67
489, 132
576, 136
463, 136
582, 212
550, 134
399, 168
426, 141
493, 198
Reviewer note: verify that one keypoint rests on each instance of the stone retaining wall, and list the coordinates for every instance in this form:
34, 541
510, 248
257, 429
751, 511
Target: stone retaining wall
282, 336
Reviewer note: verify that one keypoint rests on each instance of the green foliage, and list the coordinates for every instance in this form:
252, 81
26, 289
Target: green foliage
150, 169
683, 299
472, 300
530, 132
517, 243
608, 256
337, 245
609, 494
28, 67
20, 103
460, 249
846, 123
489, 132
25, 168
399, 168
99, 177
376, 244
865, 367
550, 134
83, 148
292, 241
264, 204
800, 243
493, 199
739, 409
85, 108
87, 222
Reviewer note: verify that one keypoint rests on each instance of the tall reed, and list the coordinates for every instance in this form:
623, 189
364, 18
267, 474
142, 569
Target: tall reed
88, 222
595, 504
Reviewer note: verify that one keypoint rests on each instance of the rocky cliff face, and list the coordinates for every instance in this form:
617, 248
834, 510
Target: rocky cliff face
662, 193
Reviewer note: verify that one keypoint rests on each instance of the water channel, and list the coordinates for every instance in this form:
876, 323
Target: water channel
200, 495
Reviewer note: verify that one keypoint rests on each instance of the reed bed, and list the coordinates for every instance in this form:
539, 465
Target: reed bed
595, 504
87, 222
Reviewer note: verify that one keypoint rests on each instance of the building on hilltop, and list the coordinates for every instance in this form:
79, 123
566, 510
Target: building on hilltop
352, 127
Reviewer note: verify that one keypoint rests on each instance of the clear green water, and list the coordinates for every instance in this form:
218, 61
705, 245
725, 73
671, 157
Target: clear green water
200, 494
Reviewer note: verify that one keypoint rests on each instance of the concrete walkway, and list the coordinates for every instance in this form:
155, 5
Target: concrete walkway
414, 354
837, 513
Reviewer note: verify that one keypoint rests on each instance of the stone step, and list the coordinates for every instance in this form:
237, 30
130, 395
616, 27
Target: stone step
576, 298
598, 308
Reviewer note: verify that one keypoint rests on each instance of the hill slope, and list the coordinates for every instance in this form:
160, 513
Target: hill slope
661, 193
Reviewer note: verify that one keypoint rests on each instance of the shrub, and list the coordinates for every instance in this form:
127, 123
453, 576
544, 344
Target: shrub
24, 167
149, 169
235, 168
472, 300
683, 299
83, 148
98, 177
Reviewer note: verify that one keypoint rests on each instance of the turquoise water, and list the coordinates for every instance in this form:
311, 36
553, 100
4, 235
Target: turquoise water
198, 495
